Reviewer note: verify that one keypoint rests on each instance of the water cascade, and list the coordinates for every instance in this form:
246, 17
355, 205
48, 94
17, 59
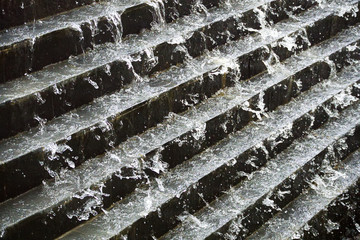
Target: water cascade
180, 119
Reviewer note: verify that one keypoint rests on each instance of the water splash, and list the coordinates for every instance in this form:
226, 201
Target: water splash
156, 164
92, 201
271, 203
272, 61
187, 217
158, 14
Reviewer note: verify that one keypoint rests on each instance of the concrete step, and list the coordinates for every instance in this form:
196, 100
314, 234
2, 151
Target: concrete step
158, 206
244, 208
67, 85
28, 158
328, 210
58, 37
115, 175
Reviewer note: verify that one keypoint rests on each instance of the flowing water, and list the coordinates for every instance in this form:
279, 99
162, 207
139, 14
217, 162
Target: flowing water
143, 157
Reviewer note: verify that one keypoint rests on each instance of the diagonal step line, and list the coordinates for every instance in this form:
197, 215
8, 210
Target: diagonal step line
139, 209
106, 106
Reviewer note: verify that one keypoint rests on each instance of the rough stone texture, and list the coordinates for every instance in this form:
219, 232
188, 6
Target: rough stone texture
184, 116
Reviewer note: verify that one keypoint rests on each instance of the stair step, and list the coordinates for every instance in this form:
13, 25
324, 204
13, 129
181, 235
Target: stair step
180, 119
155, 209
318, 211
125, 167
67, 85
82, 134
248, 205
75, 31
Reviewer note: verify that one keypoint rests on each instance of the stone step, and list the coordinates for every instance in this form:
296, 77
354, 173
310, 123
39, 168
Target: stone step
158, 206
67, 85
329, 210
244, 208
113, 176
17, 12
215, 125
29, 158
58, 37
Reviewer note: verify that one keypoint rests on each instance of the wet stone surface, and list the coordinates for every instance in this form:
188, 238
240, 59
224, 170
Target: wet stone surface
179, 119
